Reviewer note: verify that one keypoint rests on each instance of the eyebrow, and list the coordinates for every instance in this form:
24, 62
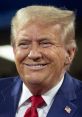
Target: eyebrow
44, 39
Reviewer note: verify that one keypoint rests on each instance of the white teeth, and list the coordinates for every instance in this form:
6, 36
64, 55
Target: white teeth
36, 66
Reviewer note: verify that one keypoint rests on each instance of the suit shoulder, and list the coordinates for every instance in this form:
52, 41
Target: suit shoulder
7, 81
77, 83
78, 87
74, 83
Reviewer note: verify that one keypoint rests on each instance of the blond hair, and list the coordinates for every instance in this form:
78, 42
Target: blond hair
47, 15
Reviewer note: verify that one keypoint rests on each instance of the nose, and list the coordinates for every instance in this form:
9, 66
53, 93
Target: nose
34, 53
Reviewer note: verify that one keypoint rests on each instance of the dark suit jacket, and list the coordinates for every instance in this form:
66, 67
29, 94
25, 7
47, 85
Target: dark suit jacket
67, 103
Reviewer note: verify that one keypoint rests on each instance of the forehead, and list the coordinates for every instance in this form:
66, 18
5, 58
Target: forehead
37, 30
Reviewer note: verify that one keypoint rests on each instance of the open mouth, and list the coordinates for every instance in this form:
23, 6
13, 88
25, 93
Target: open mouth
36, 66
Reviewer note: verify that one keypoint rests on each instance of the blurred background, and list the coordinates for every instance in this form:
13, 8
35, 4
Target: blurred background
7, 11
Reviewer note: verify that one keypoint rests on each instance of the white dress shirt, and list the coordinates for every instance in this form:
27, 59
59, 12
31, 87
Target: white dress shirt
48, 97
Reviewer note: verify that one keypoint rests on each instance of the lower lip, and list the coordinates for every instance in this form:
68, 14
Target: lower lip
38, 67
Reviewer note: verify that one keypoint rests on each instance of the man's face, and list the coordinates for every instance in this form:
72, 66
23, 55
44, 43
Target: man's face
40, 54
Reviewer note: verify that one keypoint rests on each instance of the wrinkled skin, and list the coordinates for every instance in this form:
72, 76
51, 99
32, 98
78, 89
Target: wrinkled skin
40, 56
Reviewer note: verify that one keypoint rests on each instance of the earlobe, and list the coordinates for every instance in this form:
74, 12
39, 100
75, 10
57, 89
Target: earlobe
70, 56
67, 60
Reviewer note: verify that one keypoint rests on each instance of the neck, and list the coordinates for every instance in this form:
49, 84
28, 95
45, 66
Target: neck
39, 89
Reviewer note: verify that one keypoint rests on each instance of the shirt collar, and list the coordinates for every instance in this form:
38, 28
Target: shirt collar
48, 96
25, 95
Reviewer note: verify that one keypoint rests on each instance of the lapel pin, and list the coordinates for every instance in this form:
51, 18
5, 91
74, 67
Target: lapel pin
68, 109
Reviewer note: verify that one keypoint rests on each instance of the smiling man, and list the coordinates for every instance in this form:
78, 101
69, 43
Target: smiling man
43, 41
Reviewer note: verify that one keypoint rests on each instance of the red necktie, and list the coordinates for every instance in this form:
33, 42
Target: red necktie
37, 102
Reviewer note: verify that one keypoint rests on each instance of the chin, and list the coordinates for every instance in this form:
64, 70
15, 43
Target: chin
34, 82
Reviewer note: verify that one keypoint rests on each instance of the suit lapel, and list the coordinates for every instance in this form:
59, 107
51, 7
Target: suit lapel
62, 106
9, 98
63, 103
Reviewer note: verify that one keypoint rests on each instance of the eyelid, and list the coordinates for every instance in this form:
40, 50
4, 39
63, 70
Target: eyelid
48, 43
45, 41
25, 42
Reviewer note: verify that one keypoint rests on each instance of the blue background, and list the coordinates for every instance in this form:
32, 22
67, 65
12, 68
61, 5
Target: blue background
9, 7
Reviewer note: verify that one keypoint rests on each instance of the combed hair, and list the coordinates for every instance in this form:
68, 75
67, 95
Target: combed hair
47, 15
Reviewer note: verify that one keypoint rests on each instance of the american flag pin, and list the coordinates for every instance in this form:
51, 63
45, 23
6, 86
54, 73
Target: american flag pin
68, 109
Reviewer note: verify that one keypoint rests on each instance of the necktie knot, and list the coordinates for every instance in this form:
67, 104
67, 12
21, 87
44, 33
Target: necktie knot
37, 101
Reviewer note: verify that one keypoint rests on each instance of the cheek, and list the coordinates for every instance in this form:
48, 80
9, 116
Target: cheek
19, 56
61, 61
57, 57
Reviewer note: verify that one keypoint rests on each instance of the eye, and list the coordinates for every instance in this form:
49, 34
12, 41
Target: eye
24, 44
46, 44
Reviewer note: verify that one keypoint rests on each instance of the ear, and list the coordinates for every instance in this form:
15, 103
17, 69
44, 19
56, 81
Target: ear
70, 53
